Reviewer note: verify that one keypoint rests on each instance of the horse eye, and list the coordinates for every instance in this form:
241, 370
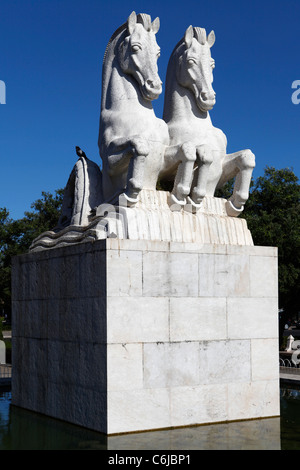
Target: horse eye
135, 47
191, 61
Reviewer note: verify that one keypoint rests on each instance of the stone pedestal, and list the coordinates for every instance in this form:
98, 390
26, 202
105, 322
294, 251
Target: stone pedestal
132, 335
155, 217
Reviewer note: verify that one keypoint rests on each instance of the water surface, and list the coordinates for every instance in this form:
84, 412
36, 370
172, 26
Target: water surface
25, 430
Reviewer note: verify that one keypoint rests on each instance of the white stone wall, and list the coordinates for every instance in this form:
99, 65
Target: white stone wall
193, 330
123, 335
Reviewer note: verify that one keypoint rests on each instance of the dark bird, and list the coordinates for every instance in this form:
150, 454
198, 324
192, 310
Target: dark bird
80, 152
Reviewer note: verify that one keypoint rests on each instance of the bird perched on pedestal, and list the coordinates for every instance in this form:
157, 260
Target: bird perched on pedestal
80, 152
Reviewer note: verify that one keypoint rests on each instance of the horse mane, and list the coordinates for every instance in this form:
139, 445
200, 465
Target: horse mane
170, 79
113, 37
143, 19
200, 34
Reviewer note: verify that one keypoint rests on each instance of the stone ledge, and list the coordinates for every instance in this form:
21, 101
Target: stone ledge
154, 219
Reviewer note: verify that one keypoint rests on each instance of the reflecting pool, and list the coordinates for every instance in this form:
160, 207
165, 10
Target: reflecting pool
24, 430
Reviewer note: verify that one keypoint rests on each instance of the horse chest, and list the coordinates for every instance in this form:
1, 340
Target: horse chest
135, 123
198, 132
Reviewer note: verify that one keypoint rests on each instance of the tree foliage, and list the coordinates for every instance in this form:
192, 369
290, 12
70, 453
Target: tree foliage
4, 263
273, 217
16, 237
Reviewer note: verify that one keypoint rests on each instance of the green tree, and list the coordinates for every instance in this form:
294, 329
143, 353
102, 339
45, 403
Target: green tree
16, 236
44, 216
4, 266
273, 217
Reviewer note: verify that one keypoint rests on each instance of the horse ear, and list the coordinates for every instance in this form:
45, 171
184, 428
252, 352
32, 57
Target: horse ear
131, 22
155, 25
211, 39
188, 37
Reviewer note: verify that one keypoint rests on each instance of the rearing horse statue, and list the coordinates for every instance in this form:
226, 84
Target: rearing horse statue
189, 97
132, 140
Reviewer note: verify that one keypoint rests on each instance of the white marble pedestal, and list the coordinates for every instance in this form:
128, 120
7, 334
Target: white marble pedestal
130, 335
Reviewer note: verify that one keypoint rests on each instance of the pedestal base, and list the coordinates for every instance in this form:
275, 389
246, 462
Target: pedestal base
155, 217
122, 336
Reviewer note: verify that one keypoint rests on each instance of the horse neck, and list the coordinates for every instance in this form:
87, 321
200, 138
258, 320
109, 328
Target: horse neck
123, 91
118, 88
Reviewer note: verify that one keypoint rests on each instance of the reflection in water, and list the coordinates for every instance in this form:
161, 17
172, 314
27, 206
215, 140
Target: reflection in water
22, 429
251, 435
290, 417
288, 393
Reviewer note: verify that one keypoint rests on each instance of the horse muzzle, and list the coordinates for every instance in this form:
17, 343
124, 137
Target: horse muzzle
152, 89
206, 101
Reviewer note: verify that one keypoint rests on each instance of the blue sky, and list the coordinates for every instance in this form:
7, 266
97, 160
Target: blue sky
51, 58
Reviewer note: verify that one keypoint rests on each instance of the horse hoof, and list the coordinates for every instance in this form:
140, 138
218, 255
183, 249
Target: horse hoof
194, 205
130, 201
233, 211
176, 204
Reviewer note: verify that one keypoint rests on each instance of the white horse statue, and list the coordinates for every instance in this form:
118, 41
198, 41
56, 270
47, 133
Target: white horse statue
132, 140
189, 97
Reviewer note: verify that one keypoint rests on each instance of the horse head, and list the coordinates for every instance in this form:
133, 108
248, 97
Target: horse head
138, 54
195, 66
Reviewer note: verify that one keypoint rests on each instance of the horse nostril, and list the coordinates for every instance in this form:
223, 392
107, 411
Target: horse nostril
154, 83
207, 96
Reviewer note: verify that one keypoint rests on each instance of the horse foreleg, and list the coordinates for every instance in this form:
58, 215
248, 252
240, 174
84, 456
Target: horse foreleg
204, 160
129, 155
239, 165
135, 178
183, 180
